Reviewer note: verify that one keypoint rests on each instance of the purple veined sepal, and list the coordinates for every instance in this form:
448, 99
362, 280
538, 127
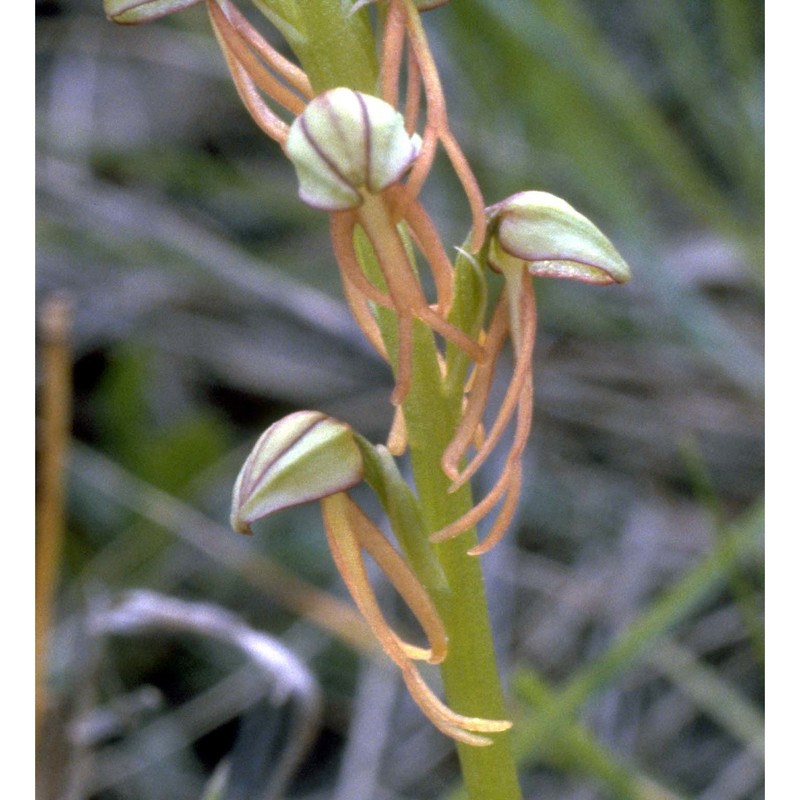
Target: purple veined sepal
301, 458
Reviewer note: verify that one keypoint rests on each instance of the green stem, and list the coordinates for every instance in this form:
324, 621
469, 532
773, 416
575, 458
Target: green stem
335, 48
470, 675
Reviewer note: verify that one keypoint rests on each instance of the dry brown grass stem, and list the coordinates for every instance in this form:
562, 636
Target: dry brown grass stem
56, 415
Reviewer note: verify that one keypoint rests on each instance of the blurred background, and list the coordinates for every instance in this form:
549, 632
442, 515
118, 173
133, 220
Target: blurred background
186, 299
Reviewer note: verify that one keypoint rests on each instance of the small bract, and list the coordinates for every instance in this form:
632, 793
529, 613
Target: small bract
553, 239
346, 142
303, 457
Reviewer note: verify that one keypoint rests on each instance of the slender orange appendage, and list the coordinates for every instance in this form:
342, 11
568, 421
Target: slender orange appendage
413, 96
470, 185
448, 721
347, 556
391, 61
424, 161
258, 73
481, 382
404, 581
404, 205
437, 122
505, 516
392, 54
452, 334
262, 114
514, 469
360, 308
290, 72
476, 513
357, 289
348, 530
522, 367
343, 225
509, 483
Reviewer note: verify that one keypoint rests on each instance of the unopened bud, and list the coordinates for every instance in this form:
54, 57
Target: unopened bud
346, 142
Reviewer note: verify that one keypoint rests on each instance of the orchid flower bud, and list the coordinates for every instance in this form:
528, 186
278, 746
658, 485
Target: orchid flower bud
553, 240
346, 142
305, 456
134, 12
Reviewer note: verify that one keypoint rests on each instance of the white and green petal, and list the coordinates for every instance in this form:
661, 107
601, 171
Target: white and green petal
346, 142
135, 12
303, 457
553, 239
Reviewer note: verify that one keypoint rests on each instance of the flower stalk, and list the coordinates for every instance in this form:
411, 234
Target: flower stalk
336, 115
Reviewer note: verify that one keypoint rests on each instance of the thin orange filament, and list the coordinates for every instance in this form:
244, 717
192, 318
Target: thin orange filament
519, 400
290, 72
437, 125
258, 73
404, 294
522, 366
242, 45
349, 531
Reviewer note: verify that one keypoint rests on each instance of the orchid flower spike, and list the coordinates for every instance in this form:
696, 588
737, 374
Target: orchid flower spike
530, 234
351, 151
310, 456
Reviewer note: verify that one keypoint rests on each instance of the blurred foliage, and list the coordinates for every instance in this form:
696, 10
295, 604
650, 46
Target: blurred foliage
206, 305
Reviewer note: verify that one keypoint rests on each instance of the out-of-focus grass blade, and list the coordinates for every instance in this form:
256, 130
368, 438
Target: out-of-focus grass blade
571, 44
741, 540
707, 96
579, 752
715, 696
734, 19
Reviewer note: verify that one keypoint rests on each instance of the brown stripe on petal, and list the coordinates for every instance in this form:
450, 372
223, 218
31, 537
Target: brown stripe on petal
315, 418
316, 147
367, 142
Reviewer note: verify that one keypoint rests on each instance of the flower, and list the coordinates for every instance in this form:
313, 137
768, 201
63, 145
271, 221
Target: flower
529, 234
552, 239
304, 457
350, 151
310, 456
